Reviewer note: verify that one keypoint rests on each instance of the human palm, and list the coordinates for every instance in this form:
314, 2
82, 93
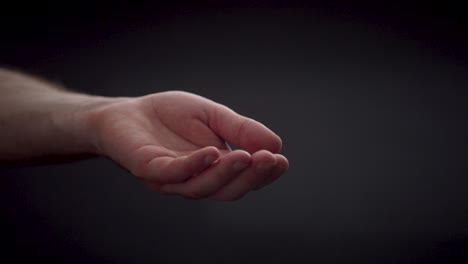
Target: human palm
176, 143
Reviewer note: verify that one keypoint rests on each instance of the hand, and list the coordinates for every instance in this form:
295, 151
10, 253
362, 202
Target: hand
176, 143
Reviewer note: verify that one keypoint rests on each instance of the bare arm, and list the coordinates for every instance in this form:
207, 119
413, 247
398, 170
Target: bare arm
38, 121
173, 141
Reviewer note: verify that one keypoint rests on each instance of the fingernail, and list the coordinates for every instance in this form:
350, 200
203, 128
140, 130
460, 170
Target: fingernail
264, 167
210, 159
239, 165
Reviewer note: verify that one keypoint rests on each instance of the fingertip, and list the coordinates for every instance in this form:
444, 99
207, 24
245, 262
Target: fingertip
211, 150
260, 137
243, 153
264, 156
282, 161
246, 156
240, 159
272, 141
277, 145
273, 144
282, 165
211, 155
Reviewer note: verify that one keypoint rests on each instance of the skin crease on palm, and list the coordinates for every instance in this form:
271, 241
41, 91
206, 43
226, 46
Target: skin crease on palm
176, 143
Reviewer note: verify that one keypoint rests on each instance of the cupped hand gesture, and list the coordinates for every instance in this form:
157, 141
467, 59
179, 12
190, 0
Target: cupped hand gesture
176, 142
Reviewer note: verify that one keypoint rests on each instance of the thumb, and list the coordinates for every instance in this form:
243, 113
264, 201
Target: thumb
242, 131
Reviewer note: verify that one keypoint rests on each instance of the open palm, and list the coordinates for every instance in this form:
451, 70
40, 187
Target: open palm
176, 143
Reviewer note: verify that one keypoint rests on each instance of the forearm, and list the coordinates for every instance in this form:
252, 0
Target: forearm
40, 122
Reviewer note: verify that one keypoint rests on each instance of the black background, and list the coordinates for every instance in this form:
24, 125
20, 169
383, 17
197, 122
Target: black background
369, 98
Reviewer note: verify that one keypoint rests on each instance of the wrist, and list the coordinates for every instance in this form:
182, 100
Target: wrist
81, 121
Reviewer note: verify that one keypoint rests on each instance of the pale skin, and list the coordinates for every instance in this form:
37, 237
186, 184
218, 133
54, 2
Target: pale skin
175, 142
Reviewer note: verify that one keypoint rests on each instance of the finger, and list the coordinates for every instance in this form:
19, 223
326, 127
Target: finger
243, 132
212, 179
264, 163
174, 170
282, 165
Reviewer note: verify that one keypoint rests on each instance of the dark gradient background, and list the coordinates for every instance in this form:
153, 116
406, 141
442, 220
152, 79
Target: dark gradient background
370, 100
